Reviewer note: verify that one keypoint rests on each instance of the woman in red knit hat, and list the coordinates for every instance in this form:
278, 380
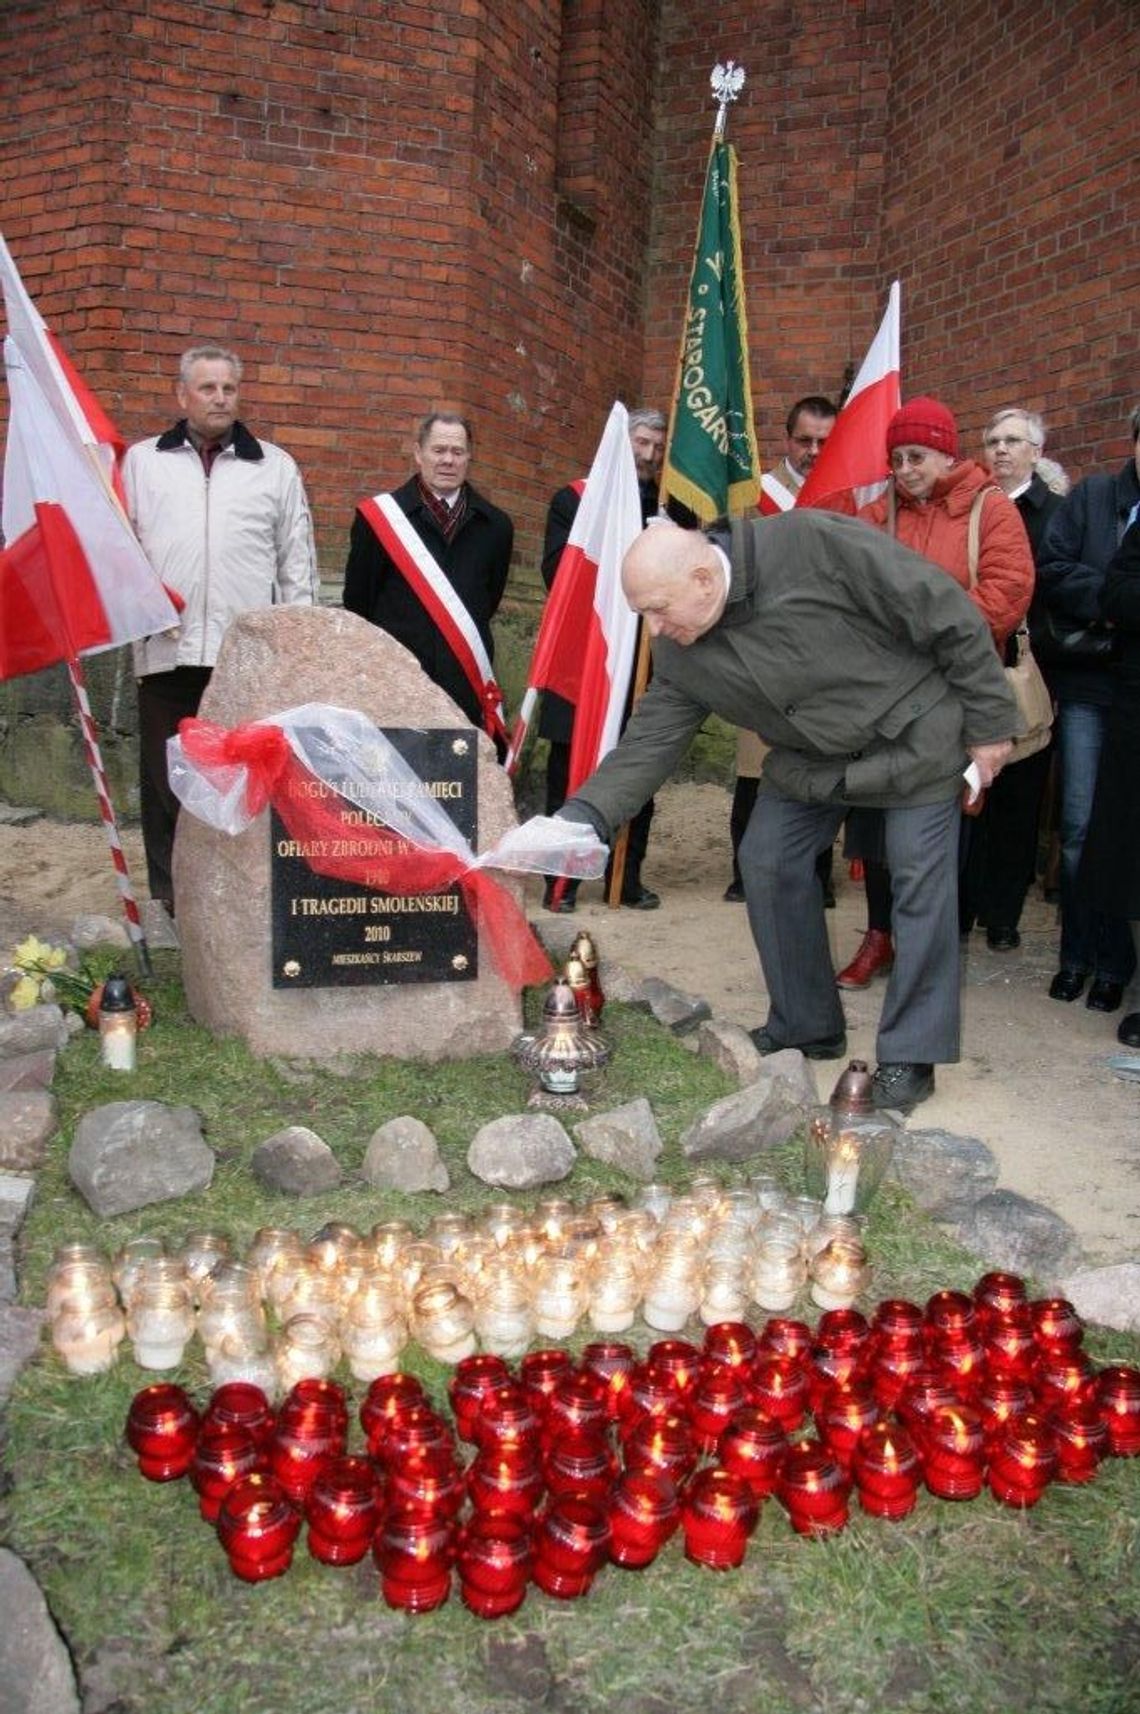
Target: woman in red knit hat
927, 505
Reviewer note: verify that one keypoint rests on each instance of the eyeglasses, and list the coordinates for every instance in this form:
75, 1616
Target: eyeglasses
914, 456
993, 441
806, 440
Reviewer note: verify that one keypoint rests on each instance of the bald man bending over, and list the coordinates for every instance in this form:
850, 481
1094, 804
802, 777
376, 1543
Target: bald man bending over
873, 679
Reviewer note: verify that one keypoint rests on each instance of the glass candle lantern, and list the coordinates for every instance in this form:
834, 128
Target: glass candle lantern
130, 1258
785, 1336
663, 1444
1057, 1327
162, 1431
200, 1253
1001, 1398
244, 1405
506, 1420
614, 1289
306, 1347
611, 1363
752, 1446
577, 1402
652, 1392
78, 1278
88, 1340
725, 1290
1118, 1396
443, 1320
680, 1359
839, 1272
470, 1388
160, 1322
118, 1025
257, 1527
563, 1052
730, 1343
343, 1509
813, 1490
672, 1284
1008, 1341
844, 1415
643, 1514
269, 1247
1062, 1377
779, 1273
411, 1435
997, 1293
718, 1514
954, 1458
717, 1396
559, 1295
223, 1452
887, 1470
414, 1552
309, 1434
373, 1331
1023, 1460
778, 1386
494, 1560
504, 1319
571, 1544
540, 1373
846, 1154
387, 1397
579, 1461
926, 1392
1080, 1439
505, 1481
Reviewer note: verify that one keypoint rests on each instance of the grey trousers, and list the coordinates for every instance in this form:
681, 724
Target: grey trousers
921, 1011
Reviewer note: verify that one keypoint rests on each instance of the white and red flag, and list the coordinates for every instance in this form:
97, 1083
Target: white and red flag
853, 466
585, 644
73, 577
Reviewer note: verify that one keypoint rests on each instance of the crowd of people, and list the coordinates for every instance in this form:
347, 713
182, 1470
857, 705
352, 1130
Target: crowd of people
859, 657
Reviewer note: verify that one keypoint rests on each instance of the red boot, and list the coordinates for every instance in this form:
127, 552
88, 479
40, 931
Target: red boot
874, 958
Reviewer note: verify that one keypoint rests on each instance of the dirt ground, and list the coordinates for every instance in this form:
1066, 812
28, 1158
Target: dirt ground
1034, 1081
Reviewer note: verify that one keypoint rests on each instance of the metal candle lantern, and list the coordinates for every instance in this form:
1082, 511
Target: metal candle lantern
849, 1145
562, 1052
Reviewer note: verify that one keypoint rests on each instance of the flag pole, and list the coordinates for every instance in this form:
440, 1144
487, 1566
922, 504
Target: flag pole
726, 82
107, 812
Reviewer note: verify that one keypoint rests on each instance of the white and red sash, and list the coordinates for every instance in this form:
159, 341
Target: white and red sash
775, 496
419, 568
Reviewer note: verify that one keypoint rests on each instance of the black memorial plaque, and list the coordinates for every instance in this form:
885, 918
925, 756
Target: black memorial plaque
329, 933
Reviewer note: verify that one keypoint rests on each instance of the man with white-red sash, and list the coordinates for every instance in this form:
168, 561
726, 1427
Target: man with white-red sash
428, 563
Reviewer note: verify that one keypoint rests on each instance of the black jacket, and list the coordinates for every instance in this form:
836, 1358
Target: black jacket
1082, 537
475, 562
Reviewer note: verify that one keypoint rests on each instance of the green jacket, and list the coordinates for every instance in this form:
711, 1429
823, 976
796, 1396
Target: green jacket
866, 668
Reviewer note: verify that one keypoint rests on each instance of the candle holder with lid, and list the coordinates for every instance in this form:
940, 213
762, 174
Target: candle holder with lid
849, 1146
562, 1053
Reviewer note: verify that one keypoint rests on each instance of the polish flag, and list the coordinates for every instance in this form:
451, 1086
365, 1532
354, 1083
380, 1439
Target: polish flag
585, 644
73, 577
853, 466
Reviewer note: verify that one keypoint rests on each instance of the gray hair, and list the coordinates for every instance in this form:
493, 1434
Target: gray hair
1053, 475
644, 417
452, 419
1034, 424
207, 354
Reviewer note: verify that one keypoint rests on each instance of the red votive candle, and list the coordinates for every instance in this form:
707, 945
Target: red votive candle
1002, 1398
509, 1422
961, 1357
845, 1413
887, 1470
718, 1514
414, 1552
779, 1387
1061, 1376
896, 1321
1056, 1325
784, 1336
315, 1393
1009, 1343
571, 1543
580, 1462
244, 1404
953, 1452
343, 1509
472, 1384
813, 1489
428, 1482
753, 1447
730, 1343
925, 1393
162, 1431
224, 1451
505, 1482
663, 1444
997, 1294
1080, 1438
387, 1397
893, 1369
643, 1513
831, 1366
417, 1432
1118, 1395
678, 1358
540, 1372
1023, 1459
714, 1401
307, 1437
950, 1312
611, 1363
651, 1393
257, 1526
578, 1401
494, 1563
842, 1330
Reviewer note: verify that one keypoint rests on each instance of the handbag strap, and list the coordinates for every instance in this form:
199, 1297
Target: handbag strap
1020, 637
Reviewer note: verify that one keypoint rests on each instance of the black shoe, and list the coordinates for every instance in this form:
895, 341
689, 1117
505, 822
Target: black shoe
1067, 985
901, 1087
1128, 1030
1104, 995
734, 893
566, 904
828, 1047
1002, 939
639, 898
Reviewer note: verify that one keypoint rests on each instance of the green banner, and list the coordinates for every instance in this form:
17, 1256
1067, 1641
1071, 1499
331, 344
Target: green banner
712, 465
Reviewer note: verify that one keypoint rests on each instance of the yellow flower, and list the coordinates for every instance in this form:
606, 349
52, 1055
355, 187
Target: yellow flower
26, 993
35, 956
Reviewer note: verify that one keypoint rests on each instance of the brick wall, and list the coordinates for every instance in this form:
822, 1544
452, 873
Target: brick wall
385, 205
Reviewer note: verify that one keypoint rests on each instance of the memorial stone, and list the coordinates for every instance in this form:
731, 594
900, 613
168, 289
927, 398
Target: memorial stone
271, 661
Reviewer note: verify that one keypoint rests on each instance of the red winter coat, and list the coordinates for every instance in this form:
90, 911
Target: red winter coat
937, 528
